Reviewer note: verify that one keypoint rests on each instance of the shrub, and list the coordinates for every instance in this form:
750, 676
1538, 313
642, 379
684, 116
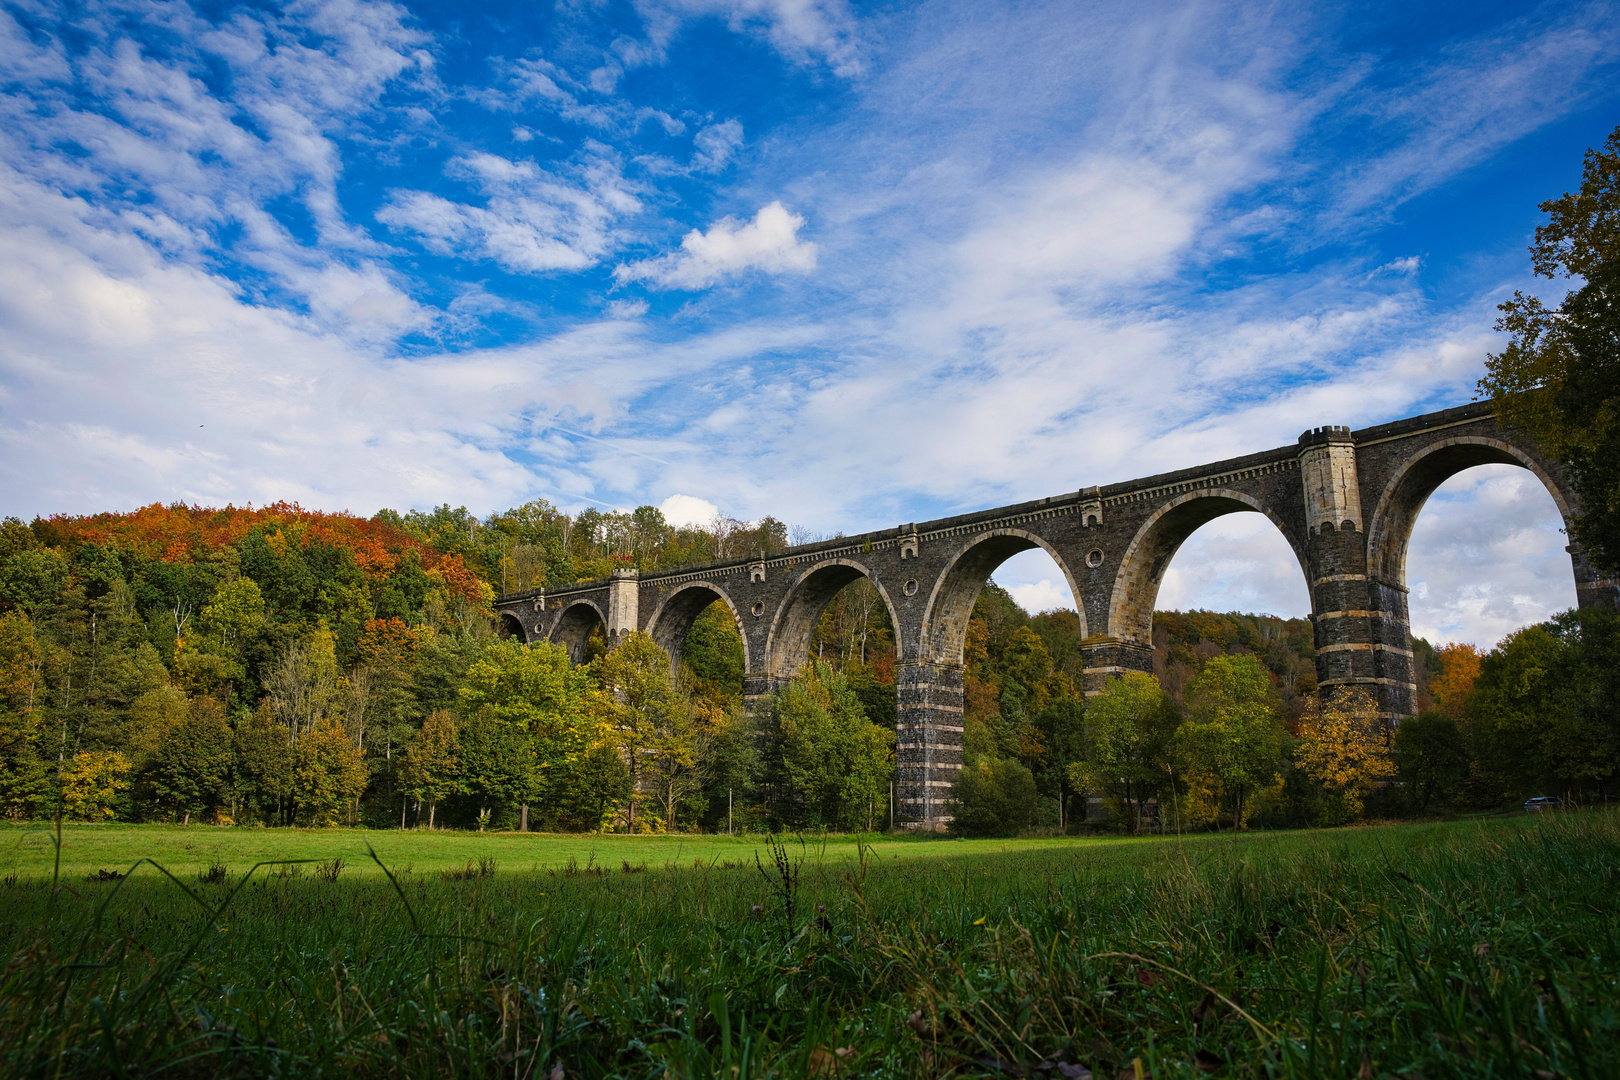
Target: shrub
992, 797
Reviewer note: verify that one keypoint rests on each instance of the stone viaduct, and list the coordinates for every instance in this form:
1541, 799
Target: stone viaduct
1346, 502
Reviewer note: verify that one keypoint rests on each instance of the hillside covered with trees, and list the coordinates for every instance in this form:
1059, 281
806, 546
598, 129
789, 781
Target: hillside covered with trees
277, 666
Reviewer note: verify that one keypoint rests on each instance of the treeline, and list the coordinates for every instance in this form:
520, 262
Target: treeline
1230, 733
280, 667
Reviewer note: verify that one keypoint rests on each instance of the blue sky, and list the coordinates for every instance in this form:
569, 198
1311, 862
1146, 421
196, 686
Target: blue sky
847, 265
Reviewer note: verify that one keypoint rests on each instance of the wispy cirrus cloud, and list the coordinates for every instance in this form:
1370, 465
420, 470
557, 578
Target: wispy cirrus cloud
995, 253
534, 220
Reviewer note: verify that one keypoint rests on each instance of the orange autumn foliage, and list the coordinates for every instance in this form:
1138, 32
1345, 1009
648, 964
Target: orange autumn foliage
386, 642
183, 534
1459, 667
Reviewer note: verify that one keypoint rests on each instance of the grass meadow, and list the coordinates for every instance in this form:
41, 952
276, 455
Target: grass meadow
1467, 949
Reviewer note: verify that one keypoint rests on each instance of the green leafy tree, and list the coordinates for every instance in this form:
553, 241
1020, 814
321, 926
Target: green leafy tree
24, 784
833, 765
497, 765
1559, 377
1062, 728
191, 770
595, 786
1432, 756
992, 797
534, 690
25, 787
328, 776
1130, 728
1538, 718
432, 770
678, 760
265, 763
32, 579
1231, 743
637, 706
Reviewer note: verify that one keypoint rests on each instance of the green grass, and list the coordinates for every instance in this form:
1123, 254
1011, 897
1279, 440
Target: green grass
87, 849
1481, 949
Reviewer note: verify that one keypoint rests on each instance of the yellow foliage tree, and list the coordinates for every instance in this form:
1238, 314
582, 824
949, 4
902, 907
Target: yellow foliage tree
92, 784
1344, 748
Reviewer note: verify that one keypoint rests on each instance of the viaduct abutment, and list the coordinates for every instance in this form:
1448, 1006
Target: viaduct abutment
1345, 501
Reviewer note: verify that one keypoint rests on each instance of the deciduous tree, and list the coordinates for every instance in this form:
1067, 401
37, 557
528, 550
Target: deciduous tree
1559, 377
191, 769
93, 783
1432, 756
1232, 738
328, 775
1130, 738
1343, 747
639, 697
832, 764
432, 771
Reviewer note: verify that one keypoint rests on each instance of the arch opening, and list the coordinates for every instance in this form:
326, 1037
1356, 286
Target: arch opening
702, 607
575, 629
508, 626
1233, 584
1147, 561
835, 605
1483, 554
950, 609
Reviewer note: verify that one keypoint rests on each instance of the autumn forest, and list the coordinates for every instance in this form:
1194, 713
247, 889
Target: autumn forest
278, 666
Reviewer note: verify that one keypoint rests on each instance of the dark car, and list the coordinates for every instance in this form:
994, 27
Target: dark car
1543, 802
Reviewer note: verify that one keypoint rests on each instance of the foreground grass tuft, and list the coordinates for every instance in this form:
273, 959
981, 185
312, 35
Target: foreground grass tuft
1415, 951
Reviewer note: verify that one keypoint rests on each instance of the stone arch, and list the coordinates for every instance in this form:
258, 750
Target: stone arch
950, 605
1142, 567
574, 627
788, 645
1389, 530
509, 626
676, 613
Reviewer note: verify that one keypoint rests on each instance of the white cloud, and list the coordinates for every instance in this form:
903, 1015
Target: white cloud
716, 145
688, 511
1236, 563
535, 220
1038, 596
769, 243
802, 30
1487, 557
626, 309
